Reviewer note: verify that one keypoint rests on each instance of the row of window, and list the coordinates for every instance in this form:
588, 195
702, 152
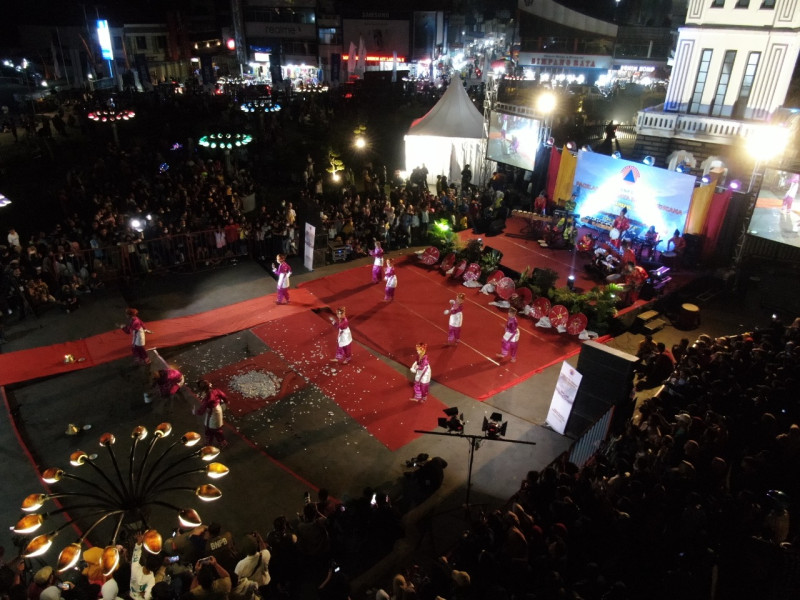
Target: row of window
160, 42
265, 14
717, 107
765, 4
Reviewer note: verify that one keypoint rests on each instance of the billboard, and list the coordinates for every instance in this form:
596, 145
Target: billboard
653, 196
513, 140
381, 37
569, 380
776, 215
104, 37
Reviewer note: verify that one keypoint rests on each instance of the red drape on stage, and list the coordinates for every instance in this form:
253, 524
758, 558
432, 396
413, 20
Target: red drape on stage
713, 223
552, 171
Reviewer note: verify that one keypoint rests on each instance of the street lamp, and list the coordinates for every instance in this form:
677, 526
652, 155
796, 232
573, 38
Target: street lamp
113, 116
108, 493
763, 144
225, 142
360, 140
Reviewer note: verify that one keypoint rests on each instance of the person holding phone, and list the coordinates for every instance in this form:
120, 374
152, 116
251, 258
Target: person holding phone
211, 580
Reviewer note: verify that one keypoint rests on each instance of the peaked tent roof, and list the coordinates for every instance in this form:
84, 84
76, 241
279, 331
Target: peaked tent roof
453, 116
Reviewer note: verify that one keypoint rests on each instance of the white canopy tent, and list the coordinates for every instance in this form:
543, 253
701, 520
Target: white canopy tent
448, 137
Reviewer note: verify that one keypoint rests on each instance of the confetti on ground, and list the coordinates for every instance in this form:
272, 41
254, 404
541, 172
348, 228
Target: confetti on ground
256, 384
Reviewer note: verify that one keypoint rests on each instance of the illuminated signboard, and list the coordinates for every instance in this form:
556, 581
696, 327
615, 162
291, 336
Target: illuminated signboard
104, 37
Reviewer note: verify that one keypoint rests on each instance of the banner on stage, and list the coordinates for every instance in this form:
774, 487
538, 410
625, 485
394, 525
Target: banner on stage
308, 254
653, 196
564, 396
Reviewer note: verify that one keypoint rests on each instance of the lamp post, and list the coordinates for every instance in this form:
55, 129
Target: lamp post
112, 116
109, 493
545, 105
225, 142
764, 144
260, 106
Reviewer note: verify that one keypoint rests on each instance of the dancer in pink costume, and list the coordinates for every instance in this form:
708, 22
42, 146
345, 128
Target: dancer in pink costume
283, 271
377, 264
456, 319
136, 328
510, 337
391, 280
344, 338
212, 401
422, 374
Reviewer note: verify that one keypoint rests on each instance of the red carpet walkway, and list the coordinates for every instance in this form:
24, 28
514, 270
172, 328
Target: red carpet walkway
30, 364
367, 389
416, 316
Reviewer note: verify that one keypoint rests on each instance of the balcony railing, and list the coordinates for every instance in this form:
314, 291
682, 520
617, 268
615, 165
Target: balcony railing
656, 122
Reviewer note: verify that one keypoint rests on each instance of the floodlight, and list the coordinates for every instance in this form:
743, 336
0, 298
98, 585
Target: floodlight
649, 161
453, 422
494, 427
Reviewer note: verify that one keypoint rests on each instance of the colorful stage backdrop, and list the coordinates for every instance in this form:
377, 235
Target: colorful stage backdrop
653, 196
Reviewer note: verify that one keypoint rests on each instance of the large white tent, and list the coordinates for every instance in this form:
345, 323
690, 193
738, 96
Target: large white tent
448, 137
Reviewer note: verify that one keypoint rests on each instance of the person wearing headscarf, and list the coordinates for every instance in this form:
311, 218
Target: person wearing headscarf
135, 327
422, 374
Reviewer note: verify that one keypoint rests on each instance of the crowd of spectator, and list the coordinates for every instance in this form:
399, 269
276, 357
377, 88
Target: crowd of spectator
691, 500
131, 213
302, 557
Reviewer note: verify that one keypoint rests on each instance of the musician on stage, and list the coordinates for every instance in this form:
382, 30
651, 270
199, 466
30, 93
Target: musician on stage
650, 242
586, 243
634, 277
676, 243
540, 204
628, 255
620, 225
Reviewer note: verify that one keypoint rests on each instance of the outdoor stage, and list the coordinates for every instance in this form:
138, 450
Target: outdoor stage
324, 425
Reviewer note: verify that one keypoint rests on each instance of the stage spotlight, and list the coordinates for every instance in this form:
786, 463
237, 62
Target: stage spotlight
571, 146
705, 180
453, 421
550, 142
617, 154
587, 148
649, 161
494, 427
735, 185
571, 282
680, 169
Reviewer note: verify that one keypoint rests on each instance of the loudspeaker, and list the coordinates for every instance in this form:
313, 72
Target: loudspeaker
607, 381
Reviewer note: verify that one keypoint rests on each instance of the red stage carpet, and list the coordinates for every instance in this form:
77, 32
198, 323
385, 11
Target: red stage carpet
368, 390
239, 404
416, 316
49, 360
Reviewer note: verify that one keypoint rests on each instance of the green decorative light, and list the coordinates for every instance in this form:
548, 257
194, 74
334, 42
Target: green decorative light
225, 140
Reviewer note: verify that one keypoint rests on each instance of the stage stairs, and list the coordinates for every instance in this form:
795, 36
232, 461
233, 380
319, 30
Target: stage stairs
650, 322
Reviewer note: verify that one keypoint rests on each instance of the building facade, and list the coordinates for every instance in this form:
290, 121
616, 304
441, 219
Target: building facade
733, 63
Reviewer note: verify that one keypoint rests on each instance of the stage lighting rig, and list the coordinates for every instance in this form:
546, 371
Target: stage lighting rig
494, 427
453, 422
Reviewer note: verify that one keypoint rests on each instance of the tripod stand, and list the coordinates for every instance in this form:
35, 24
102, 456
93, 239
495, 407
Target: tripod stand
474, 444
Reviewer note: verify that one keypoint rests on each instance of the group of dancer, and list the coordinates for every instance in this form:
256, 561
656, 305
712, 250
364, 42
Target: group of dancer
168, 382
383, 269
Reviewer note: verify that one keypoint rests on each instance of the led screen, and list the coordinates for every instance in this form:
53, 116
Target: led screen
513, 140
653, 196
776, 215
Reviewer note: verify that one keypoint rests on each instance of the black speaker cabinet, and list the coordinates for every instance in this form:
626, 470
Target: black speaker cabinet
607, 381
